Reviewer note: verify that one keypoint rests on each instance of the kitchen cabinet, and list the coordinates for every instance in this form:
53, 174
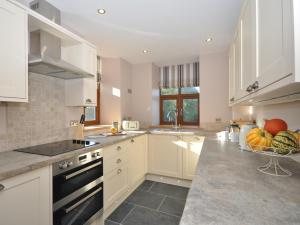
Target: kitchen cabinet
81, 92
165, 157
137, 159
238, 90
266, 53
231, 61
115, 185
248, 47
115, 172
82, 55
26, 199
191, 149
14, 53
275, 42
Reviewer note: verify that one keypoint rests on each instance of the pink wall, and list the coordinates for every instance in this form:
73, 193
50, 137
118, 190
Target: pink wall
214, 88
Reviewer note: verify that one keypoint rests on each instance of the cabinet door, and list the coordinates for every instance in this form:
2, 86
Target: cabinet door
137, 159
14, 53
191, 151
26, 199
239, 92
115, 185
231, 74
248, 46
165, 156
274, 41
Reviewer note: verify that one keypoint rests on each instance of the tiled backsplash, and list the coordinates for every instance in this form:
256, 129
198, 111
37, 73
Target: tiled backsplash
44, 119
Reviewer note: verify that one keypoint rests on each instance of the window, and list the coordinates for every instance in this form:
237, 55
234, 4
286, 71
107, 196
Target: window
92, 114
185, 101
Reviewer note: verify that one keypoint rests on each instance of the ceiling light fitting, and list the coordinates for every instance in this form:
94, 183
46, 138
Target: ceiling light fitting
101, 11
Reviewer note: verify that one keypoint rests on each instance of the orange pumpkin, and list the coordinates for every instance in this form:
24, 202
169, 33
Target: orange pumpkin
259, 139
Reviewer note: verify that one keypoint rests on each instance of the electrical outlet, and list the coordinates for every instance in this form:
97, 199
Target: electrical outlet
219, 119
74, 123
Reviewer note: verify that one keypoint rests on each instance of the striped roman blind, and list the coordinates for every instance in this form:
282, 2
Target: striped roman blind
184, 75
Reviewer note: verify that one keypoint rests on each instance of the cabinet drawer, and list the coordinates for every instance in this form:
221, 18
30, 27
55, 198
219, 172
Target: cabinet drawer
114, 162
114, 150
115, 185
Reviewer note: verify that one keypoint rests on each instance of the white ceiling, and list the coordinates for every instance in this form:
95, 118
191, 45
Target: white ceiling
173, 30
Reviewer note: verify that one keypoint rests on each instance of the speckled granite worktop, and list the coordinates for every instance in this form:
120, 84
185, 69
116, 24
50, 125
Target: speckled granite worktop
15, 163
228, 190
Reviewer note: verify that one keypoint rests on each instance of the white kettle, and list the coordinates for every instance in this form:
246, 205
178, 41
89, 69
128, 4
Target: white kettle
245, 128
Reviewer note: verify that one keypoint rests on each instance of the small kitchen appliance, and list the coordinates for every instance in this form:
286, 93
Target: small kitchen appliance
128, 125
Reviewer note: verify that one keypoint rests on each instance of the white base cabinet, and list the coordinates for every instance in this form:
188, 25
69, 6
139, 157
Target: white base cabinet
174, 156
165, 157
124, 169
137, 159
14, 53
26, 199
191, 154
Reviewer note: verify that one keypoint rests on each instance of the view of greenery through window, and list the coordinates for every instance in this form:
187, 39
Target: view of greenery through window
90, 113
184, 100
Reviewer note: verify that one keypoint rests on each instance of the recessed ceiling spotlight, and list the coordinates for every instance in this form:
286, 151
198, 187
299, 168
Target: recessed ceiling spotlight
101, 11
146, 51
209, 40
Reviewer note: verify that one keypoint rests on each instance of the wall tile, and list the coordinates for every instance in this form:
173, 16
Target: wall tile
42, 120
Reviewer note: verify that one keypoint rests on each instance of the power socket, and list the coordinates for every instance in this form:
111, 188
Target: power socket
74, 123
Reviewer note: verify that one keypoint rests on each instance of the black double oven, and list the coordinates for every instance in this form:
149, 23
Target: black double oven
78, 189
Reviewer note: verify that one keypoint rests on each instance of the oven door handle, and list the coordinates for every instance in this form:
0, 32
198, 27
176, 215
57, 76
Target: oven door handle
69, 176
69, 209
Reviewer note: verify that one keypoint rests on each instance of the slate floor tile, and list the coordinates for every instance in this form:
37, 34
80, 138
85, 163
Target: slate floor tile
173, 206
145, 186
170, 190
108, 222
121, 212
143, 216
146, 199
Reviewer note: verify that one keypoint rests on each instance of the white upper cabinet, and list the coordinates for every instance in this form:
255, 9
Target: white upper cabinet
13, 54
82, 55
266, 51
81, 92
248, 47
238, 92
232, 74
274, 32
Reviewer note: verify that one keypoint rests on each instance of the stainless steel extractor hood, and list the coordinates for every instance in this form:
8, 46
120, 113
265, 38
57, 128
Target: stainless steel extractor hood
45, 52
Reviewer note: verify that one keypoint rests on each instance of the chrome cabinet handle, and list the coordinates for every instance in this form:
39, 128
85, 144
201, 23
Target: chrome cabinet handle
119, 171
249, 88
67, 210
255, 85
68, 177
119, 148
1, 187
119, 161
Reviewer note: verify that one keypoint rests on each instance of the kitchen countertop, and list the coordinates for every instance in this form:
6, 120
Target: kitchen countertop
15, 163
228, 190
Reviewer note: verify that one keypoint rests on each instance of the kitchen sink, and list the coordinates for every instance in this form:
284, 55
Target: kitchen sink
172, 131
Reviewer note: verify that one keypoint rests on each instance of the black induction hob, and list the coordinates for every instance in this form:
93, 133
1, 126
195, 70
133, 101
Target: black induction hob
57, 148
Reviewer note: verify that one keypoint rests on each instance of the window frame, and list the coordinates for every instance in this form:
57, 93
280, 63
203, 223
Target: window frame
179, 104
97, 120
